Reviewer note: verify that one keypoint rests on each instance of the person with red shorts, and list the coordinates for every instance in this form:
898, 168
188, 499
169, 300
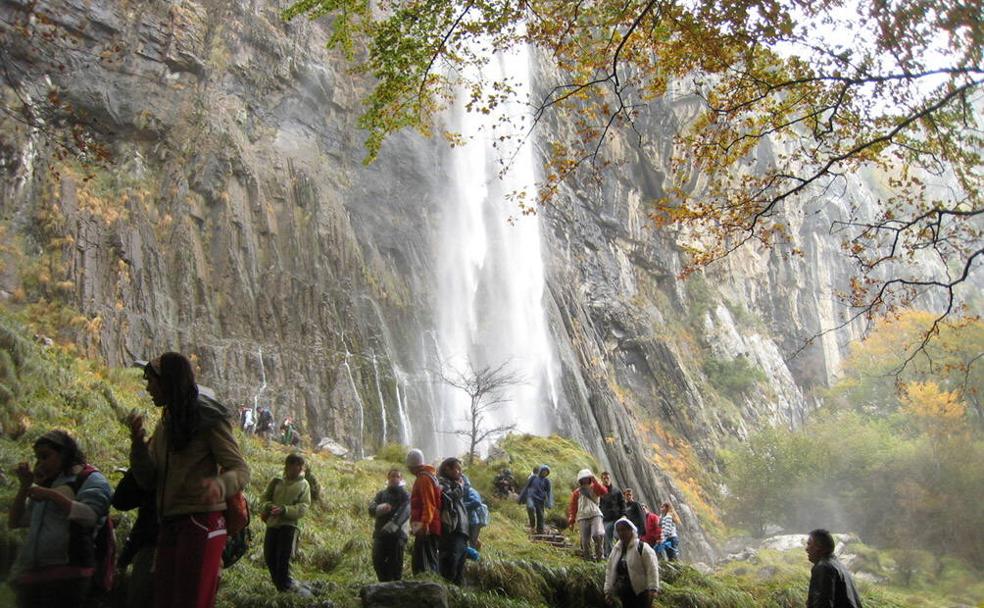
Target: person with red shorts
192, 463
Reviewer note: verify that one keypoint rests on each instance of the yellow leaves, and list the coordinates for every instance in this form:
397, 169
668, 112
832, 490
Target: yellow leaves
927, 401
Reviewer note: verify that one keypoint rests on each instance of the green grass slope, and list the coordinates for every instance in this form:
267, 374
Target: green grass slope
44, 387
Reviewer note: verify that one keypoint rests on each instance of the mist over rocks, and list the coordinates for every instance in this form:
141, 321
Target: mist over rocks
236, 222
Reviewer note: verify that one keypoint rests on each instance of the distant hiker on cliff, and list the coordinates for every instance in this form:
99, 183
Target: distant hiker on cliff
182, 462
284, 503
140, 544
537, 496
248, 419
454, 520
504, 484
668, 524
391, 509
288, 433
61, 501
612, 508
831, 585
632, 574
425, 514
264, 423
583, 509
635, 511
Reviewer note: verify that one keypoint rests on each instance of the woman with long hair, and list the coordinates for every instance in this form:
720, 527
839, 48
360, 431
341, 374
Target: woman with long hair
193, 464
61, 502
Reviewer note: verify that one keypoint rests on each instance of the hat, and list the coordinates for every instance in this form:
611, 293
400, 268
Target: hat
583, 473
415, 458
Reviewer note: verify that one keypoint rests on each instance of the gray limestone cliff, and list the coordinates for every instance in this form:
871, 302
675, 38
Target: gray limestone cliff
234, 220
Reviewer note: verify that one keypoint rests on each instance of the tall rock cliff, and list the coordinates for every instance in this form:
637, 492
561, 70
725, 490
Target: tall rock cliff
232, 219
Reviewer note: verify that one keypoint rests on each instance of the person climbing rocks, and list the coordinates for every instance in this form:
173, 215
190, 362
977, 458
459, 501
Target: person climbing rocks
391, 510
612, 508
285, 501
425, 514
537, 495
584, 510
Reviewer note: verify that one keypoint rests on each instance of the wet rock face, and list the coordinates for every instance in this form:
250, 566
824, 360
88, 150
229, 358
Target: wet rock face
234, 221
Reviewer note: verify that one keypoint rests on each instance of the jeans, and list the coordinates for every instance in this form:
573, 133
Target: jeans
424, 556
534, 510
609, 536
387, 556
590, 537
452, 556
278, 547
669, 548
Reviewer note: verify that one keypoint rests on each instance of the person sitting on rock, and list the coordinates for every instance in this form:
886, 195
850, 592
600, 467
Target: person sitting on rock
504, 485
391, 510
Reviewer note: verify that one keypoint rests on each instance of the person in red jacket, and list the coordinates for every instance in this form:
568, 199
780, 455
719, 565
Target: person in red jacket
583, 510
654, 532
425, 514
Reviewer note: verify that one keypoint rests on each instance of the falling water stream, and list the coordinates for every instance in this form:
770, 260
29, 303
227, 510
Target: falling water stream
491, 276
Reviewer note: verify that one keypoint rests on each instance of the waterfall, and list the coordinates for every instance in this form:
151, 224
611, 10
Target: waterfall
263, 380
406, 431
379, 394
490, 268
361, 421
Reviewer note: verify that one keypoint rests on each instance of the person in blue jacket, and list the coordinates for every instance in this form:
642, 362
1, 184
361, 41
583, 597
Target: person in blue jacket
478, 516
537, 496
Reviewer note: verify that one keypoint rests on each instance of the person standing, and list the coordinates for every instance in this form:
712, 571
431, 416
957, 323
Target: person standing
635, 511
583, 509
193, 464
141, 542
537, 496
478, 515
391, 510
668, 525
612, 508
454, 520
425, 514
632, 573
831, 585
284, 503
61, 502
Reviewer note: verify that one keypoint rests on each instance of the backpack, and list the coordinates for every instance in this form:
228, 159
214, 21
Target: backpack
450, 503
104, 540
237, 516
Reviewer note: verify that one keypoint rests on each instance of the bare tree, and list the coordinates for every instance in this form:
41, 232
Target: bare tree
486, 388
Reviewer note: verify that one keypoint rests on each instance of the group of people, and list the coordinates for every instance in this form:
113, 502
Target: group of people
443, 513
183, 477
261, 422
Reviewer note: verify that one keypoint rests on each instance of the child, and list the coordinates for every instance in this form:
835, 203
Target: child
62, 501
391, 508
285, 501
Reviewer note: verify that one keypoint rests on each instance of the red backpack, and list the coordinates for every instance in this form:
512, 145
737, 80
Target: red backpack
104, 540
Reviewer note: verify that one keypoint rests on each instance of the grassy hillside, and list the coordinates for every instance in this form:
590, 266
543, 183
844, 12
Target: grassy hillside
43, 387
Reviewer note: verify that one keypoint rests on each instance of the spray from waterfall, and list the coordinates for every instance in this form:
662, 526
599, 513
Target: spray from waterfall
360, 408
491, 273
263, 380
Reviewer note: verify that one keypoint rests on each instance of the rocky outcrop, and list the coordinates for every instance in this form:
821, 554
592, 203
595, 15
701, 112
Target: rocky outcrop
233, 220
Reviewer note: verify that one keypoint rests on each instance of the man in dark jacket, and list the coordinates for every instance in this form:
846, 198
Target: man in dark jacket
391, 508
635, 511
831, 585
612, 509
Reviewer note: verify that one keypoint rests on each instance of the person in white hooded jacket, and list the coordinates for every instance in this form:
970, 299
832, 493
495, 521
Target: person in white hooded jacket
632, 573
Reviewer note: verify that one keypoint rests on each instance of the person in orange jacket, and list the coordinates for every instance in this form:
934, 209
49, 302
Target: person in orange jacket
583, 508
425, 514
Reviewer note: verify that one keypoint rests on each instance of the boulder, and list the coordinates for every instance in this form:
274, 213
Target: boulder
405, 594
